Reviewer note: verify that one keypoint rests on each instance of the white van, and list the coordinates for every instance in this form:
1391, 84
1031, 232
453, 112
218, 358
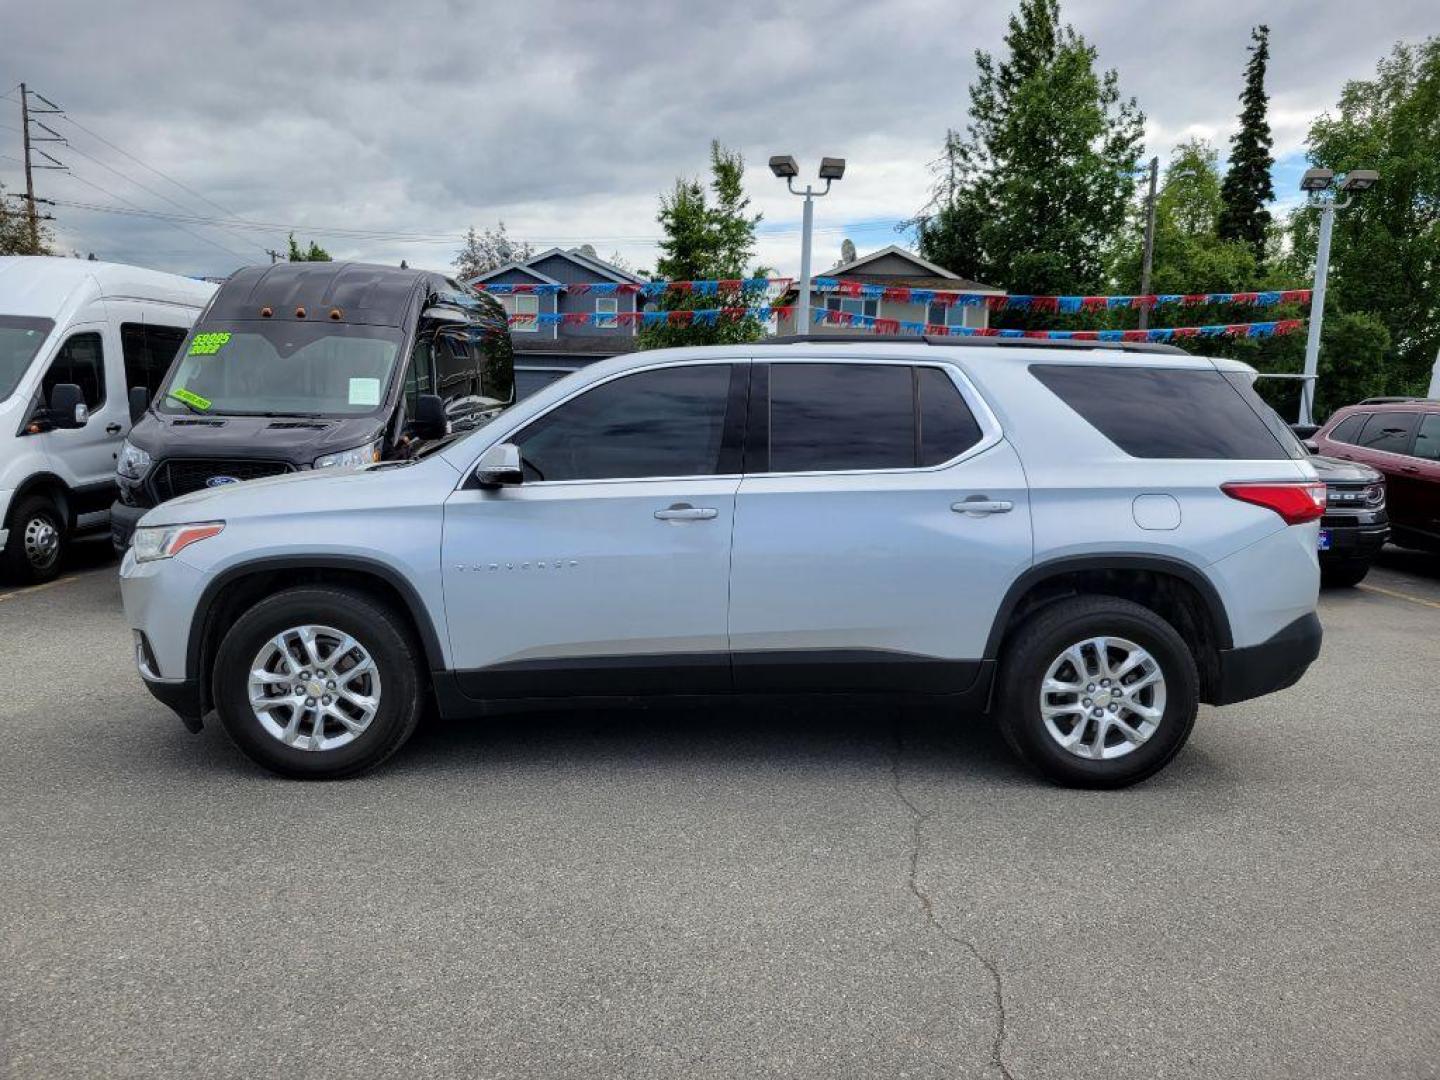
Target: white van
75, 337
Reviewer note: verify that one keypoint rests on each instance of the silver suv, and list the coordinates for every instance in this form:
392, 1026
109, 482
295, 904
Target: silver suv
1085, 543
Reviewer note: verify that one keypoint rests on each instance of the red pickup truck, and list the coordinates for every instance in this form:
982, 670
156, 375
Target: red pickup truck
1400, 438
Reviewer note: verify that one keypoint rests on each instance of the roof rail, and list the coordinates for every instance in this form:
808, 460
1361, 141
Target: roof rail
970, 340
1395, 400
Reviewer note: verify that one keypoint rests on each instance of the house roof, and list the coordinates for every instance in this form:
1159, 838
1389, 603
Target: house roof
930, 275
524, 268
600, 266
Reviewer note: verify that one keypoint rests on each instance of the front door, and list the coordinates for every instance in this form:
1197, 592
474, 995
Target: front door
856, 564
85, 456
605, 571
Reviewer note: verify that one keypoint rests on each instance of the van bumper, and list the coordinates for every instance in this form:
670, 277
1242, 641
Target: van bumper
1274, 664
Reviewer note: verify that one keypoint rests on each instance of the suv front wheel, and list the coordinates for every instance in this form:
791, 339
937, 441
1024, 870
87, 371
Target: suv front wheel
318, 683
1097, 692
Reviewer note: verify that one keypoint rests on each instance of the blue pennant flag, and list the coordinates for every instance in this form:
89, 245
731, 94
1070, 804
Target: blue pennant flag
548, 318
654, 318
824, 283
1113, 302
653, 288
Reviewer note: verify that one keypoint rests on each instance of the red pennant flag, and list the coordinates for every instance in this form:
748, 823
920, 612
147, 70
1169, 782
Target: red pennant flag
1094, 303
1187, 331
629, 318
1085, 335
899, 293
1288, 326
730, 285
1245, 297
988, 331
1044, 303
680, 318
1037, 333
1135, 335
579, 288
996, 303
848, 288
781, 311
1295, 296
575, 318
1191, 299
1144, 302
887, 326
1236, 330
734, 314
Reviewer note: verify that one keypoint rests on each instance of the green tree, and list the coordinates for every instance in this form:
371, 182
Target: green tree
707, 240
1190, 255
1385, 251
1032, 197
1248, 189
488, 250
315, 253
15, 236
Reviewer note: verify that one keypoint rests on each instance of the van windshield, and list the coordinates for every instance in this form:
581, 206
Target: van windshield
20, 339
283, 368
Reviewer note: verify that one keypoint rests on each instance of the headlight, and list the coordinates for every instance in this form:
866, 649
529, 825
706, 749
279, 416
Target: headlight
1375, 495
360, 455
132, 461
162, 541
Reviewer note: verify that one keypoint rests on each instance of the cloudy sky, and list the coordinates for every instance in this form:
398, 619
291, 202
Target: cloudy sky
383, 130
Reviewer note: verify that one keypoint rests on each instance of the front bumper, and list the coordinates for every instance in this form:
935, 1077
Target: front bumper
1355, 541
160, 598
1276, 663
180, 695
123, 519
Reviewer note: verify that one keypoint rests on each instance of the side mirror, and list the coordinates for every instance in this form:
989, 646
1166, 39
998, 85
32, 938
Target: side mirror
1312, 446
139, 401
499, 466
67, 406
430, 421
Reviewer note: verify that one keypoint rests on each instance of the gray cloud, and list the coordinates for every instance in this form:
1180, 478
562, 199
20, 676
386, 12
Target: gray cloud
568, 119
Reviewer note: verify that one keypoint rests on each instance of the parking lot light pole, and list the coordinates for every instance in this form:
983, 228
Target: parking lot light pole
1324, 188
785, 168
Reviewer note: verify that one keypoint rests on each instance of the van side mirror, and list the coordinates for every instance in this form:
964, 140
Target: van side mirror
429, 421
67, 406
139, 401
499, 466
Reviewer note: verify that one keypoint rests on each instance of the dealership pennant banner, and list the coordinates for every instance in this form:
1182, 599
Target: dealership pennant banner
904, 294
612, 319
1159, 333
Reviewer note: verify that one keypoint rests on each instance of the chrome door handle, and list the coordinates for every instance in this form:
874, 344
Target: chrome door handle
979, 506
686, 512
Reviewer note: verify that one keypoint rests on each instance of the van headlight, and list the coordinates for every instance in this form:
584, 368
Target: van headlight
132, 462
152, 542
359, 455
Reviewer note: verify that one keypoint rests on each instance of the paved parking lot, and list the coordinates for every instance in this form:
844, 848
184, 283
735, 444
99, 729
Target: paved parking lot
817, 894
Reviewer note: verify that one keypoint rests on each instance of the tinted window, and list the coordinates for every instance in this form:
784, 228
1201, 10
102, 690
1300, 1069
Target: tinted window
417, 376
148, 352
455, 366
1388, 431
81, 361
841, 416
1427, 439
947, 426
1164, 412
655, 423
1347, 430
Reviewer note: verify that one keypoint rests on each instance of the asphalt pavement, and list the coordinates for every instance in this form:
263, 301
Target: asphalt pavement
709, 893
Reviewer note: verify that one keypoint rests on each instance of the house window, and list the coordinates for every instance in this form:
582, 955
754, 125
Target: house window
956, 315
607, 307
854, 305
521, 304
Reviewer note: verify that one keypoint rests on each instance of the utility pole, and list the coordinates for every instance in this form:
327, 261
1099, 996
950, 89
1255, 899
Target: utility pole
1149, 257
27, 117
274, 255
29, 178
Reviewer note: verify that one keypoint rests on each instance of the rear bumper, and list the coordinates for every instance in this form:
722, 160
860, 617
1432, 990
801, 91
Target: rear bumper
1274, 664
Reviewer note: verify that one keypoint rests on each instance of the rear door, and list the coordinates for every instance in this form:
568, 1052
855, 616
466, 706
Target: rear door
856, 565
1424, 472
606, 571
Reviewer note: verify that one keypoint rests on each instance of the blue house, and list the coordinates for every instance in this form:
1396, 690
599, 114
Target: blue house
598, 306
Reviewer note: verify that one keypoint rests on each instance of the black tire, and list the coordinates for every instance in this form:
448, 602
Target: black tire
1042, 638
1343, 573
29, 557
378, 630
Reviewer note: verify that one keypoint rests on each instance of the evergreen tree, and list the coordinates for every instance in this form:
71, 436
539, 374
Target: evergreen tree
314, 253
1248, 188
707, 241
1033, 196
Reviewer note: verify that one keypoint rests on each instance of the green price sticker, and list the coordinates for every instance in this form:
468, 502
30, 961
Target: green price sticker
208, 344
191, 398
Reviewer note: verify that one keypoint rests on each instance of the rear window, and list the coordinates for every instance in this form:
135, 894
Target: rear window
1170, 412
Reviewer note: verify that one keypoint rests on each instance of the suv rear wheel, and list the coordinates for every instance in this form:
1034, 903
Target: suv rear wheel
1097, 692
36, 543
318, 683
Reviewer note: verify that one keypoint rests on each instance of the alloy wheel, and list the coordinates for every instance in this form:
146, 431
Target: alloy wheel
1102, 698
314, 688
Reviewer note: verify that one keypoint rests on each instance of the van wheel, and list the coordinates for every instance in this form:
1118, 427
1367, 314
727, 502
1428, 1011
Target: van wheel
36, 544
318, 683
1097, 692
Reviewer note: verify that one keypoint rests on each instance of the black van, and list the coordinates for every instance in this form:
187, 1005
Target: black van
307, 365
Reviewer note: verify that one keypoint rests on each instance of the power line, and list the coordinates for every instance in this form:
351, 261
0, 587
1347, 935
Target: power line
182, 228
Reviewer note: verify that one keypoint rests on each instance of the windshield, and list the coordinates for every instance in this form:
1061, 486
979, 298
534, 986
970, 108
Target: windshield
285, 368
20, 340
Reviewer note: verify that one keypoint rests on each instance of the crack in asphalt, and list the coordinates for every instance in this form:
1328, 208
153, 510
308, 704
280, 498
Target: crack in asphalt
927, 907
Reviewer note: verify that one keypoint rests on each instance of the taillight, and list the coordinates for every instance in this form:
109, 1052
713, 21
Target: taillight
1295, 503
